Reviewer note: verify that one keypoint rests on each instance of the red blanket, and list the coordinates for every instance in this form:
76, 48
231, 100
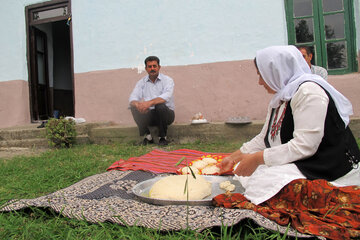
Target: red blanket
314, 207
159, 161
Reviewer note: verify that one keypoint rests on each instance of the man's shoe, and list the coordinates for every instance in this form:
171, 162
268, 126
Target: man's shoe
163, 142
146, 142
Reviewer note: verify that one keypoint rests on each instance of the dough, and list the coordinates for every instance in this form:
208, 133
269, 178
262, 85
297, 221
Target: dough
209, 160
227, 186
211, 170
172, 188
224, 184
199, 164
186, 170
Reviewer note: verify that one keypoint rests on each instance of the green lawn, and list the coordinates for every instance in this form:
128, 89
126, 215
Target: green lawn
35, 176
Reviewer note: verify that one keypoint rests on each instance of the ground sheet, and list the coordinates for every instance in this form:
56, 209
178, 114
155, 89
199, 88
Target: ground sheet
108, 197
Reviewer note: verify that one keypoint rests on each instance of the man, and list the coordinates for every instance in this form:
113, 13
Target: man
307, 54
152, 102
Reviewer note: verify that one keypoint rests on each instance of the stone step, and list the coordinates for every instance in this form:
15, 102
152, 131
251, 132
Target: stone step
105, 133
179, 133
32, 132
38, 142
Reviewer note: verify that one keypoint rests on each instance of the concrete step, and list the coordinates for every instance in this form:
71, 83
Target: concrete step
179, 133
32, 132
105, 133
38, 142
31, 136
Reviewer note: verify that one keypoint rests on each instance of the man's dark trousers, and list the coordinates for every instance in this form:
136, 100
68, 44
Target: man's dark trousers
161, 116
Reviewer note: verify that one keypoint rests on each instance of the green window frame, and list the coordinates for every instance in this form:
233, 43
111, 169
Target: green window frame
328, 28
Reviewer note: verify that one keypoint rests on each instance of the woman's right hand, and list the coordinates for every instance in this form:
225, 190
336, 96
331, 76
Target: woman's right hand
226, 165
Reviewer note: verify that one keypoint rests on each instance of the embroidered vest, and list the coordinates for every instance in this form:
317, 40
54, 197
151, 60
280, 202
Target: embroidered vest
337, 153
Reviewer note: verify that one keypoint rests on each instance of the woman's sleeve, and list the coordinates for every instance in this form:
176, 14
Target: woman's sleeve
257, 143
309, 108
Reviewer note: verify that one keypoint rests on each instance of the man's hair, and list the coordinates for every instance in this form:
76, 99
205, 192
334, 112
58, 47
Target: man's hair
152, 58
307, 49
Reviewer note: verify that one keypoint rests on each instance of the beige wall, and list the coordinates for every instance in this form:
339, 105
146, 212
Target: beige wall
218, 90
14, 103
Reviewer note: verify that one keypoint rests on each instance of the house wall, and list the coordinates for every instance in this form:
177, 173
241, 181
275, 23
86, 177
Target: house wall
120, 34
14, 103
206, 46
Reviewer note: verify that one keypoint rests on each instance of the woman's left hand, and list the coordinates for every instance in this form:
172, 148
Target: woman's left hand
249, 163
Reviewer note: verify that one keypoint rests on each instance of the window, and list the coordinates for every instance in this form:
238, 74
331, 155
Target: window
327, 27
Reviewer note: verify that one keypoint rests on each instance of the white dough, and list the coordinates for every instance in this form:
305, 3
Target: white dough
227, 186
186, 170
199, 164
230, 188
224, 184
211, 170
209, 160
172, 188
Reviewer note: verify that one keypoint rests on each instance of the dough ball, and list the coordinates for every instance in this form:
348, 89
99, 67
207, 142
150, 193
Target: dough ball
211, 170
230, 188
227, 186
224, 184
209, 160
199, 164
172, 188
186, 170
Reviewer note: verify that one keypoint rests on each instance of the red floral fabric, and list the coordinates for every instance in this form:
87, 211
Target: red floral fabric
314, 207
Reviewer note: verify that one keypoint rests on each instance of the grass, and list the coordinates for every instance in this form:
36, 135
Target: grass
35, 176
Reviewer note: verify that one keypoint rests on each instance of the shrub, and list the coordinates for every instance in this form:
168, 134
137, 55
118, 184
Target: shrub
60, 132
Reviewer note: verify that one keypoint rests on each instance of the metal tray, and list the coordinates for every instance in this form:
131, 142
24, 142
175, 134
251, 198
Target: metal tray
141, 190
238, 120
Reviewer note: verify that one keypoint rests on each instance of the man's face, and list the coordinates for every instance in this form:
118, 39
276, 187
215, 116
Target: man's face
306, 56
152, 68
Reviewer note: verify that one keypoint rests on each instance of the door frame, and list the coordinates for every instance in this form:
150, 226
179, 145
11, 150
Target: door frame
33, 19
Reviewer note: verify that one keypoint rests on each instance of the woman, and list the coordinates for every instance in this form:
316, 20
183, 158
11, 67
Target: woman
305, 135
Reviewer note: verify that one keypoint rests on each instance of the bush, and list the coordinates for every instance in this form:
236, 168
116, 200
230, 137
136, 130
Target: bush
60, 132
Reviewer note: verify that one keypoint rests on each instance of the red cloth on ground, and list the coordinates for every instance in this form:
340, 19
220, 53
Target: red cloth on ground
159, 161
314, 207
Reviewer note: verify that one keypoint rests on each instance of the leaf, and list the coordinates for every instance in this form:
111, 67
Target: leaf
192, 173
186, 185
180, 161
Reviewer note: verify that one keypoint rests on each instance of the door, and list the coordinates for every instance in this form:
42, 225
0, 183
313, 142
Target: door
40, 91
50, 59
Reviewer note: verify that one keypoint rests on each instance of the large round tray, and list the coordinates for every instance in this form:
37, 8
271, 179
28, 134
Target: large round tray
141, 190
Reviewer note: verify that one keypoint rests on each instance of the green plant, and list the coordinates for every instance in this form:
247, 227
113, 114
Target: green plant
60, 132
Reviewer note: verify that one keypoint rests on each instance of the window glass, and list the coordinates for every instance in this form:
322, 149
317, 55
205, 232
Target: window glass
41, 68
62, 11
303, 8
336, 55
304, 29
332, 5
40, 43
334, 26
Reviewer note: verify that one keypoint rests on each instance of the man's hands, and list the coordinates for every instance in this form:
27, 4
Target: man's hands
143, 107
248, 163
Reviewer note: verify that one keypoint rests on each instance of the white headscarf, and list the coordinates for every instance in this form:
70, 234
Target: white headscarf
284, 69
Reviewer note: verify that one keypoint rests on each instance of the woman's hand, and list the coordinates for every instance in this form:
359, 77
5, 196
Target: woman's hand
228, 162
226, 165
249, 163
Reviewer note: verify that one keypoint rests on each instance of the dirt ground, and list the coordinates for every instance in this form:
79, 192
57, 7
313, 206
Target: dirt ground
10, 152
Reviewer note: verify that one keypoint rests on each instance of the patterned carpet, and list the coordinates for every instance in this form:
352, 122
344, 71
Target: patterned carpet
108, 197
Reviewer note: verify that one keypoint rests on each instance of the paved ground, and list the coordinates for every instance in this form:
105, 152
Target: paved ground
8, 153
